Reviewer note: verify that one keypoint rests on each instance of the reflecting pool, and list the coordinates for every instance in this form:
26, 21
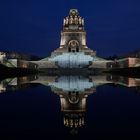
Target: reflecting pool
93, 106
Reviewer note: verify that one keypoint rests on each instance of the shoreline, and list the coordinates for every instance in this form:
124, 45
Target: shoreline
6, 72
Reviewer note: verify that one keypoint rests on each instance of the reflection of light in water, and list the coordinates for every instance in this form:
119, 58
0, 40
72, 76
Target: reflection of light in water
72, 90
24, 78
74, 120
73, 108
72, 83
2, 88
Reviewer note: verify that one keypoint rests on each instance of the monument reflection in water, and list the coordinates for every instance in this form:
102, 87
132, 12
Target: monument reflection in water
72, 90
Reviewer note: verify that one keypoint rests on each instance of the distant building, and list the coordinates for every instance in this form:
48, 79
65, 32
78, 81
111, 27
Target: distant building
15, 55
13, 59
2, 57
124, 63
17, 63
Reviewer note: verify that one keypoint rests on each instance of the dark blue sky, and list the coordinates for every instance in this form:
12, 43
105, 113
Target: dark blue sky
33, 27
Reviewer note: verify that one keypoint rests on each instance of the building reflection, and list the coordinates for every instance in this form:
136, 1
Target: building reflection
73, 105
72, 90
12, 84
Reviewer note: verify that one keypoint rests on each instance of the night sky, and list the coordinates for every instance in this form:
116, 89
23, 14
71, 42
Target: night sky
33, 27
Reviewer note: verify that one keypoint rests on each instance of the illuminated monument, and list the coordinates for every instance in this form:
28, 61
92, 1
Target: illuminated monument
73, 35
73, 51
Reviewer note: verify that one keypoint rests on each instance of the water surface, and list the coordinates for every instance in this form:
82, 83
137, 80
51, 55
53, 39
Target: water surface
96, 107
